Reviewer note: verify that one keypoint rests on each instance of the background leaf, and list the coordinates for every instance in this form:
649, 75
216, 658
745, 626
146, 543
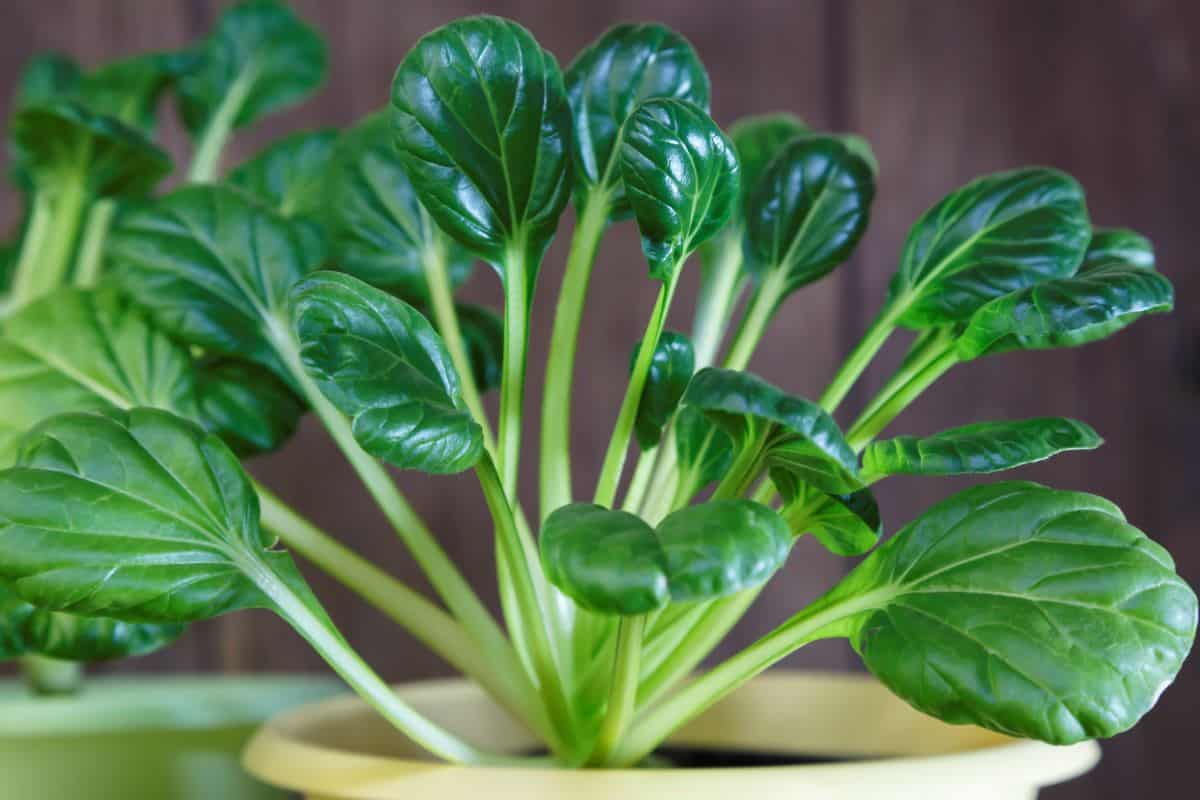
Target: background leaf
250, 409
703, 449
758, 139
130, 89
845, 524
289, 174
670, 370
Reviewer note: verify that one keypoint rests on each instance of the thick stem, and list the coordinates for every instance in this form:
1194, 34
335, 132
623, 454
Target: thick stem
718, 296
54, 259
618, 444
856, 363
623, 690
870, 426
560, 364
758, 315
206, 161
741, 472
51, 676
37, 233
640, 481
91, 249
512, 380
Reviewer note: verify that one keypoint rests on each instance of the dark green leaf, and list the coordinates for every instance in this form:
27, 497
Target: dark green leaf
846, 524
703, 449
626, 66
809, 210
8, 264
483, 331
484, 131
46, 77
213, 268
681, 178
996, 235
379, 361
609, 562
612, 562
670, 370
794, 435
289, 174
379, 231
250, 409
26, 630
1118, 245
138, 516
1067, 312
979, 448
260, 58
130, 89
759, 139
861, 148
63, 140
1023, 609
81, 350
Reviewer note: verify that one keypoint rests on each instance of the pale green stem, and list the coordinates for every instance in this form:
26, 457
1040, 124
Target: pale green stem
206, 161
560, 364
623, 690
640, 481
51, 676
91, 249
33, 245
925, 350
53, 261
762, 307
868, 427
858, 360
512, 380
718, 296
741, 472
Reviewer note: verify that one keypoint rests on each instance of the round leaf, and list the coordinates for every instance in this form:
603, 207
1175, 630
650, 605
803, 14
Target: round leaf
681, 178
1030, 611
979, 448
759, 139
251, 410
484, 131
996, 235
379, 361
379, 231
808, 210
260, 58
1119, 245
670, 370
629, 64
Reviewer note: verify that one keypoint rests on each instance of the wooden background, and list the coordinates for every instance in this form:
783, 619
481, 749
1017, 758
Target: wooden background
1105, 89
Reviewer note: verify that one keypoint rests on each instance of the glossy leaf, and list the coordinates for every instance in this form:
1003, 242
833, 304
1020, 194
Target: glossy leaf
214, 268
845, 524
259, 58
26, 630
672, 366
250, 409
979, 448
703, 449
1067, 312
379, 361
379, 231
289, 175
809, 210
138, 516
1030, 611
81, 350
1120, 245
759, 139
63, 140
681, 178
795, 436
996, 235
484, 131
629, 64
612, 562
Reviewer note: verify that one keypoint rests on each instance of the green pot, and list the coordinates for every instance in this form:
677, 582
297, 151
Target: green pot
166, 738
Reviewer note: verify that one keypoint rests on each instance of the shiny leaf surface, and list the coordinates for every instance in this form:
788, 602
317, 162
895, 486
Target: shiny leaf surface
845, 524
249, 408
672, 366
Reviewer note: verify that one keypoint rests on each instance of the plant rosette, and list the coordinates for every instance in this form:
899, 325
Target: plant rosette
152, 342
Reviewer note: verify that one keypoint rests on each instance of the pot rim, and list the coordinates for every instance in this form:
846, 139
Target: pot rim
284, 754
150, 702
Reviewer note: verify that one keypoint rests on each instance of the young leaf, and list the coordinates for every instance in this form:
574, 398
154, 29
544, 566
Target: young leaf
794, 435
759, 139
259, 58
672, 367
846, 524
681, 178
979, 448
629, 64
251, 410
1094, 304
808, 210
378, 230
1026, 610
289, 175
703, 449
81, 350
138, 516
484, 131
379, 361
64, 140
612, 562
998, 234
1119, 245
213, 268
26, 630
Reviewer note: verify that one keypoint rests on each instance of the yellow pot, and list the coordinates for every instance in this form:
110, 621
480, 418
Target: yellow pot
340, 749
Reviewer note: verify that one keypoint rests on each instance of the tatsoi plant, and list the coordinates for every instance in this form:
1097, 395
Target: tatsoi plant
187, 329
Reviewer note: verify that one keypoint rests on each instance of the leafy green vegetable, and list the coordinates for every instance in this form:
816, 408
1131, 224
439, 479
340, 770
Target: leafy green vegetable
289, 174
681, 178
1119, 245
670, 371
979, 448
793, 435
379, 231
214, 268
846, 524
759, 139
130, 89
484, 131
46, 77
77, 350
808, 209
251, 410
612, 562
996, 235
25, 629
629, 64
483, 332
1023, 609
378, 360
704, 450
